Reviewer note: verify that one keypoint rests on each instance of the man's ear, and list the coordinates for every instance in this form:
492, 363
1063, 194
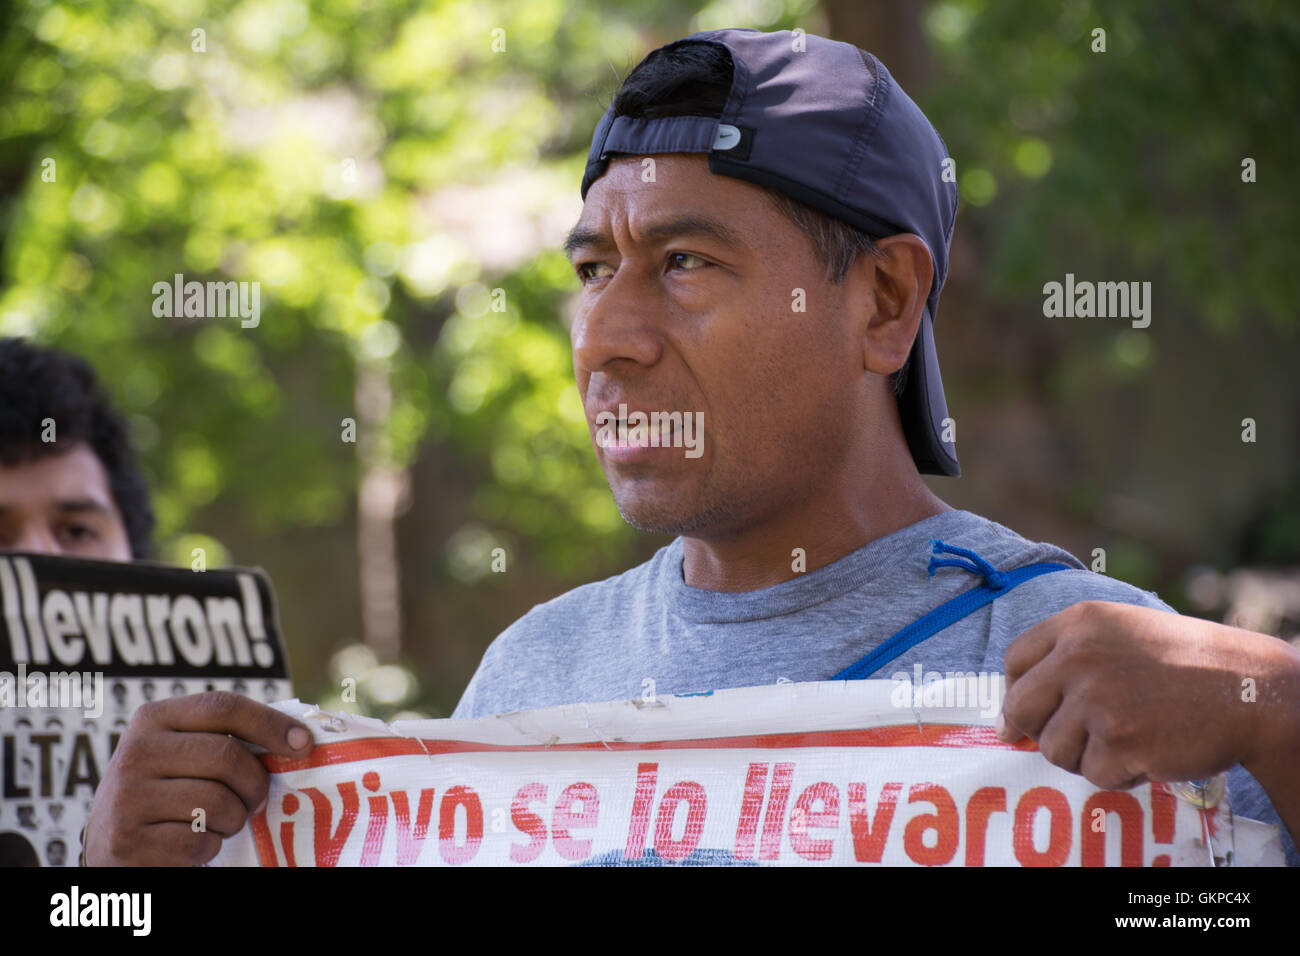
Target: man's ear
901, 274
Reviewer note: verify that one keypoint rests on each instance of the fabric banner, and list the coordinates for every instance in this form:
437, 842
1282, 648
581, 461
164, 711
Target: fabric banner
83, 643
831, 773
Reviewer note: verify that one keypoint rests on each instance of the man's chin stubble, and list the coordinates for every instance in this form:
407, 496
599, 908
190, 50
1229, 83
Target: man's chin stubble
672, 519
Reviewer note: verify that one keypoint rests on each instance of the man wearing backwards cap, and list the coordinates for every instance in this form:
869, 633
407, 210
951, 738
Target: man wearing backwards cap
784, 174
718, 151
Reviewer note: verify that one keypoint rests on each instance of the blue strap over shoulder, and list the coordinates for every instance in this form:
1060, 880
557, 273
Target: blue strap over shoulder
996, 583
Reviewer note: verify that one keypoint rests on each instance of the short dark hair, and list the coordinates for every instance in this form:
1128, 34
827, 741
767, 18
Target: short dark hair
694, 79
38, 383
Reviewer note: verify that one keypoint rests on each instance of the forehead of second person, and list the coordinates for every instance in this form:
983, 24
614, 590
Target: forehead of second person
66, 486
38, 483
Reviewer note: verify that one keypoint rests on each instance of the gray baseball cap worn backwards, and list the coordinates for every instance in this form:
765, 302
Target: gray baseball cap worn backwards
826, 125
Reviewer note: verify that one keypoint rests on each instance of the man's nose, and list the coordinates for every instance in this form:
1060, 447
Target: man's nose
617, 322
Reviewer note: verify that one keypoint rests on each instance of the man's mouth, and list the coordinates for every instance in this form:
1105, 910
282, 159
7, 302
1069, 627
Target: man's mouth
624, 434
643, 435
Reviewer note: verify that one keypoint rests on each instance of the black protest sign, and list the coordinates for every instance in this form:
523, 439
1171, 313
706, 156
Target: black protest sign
137, 619
83, 644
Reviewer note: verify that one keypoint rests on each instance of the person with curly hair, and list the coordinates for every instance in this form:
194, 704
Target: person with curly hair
69, 480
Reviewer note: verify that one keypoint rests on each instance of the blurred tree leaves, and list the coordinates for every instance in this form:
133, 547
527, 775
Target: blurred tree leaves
303, 149
1130, 159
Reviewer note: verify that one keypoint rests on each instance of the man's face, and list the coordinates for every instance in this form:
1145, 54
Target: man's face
61, 504
676, 319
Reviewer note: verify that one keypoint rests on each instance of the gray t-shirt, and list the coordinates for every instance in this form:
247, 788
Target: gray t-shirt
603, 641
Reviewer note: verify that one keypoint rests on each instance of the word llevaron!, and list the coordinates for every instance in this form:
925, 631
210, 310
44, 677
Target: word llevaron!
74, 627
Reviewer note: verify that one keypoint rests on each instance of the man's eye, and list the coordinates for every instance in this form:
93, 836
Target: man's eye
583, 269
79, 532
686, 255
